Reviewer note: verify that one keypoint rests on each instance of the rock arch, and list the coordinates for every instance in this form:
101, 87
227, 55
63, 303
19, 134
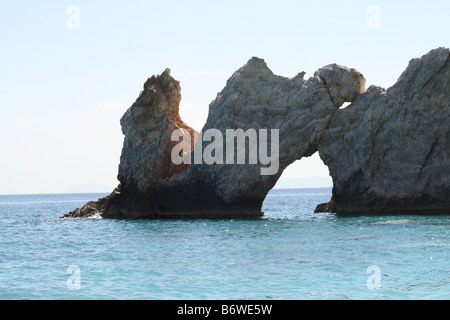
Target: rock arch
366, 146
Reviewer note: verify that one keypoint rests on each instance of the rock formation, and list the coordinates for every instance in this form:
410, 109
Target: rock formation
388, 152
146, 154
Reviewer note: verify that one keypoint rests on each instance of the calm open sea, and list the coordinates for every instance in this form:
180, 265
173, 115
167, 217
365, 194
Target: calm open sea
291, 253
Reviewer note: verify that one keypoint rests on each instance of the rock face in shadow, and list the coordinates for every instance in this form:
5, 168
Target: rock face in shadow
388, 152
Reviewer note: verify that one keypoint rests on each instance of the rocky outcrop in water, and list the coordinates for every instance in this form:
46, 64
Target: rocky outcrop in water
146, 154
387, 152
255, 98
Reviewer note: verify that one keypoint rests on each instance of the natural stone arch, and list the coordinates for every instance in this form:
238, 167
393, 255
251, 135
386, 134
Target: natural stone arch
253, 98
367, 146
256, 98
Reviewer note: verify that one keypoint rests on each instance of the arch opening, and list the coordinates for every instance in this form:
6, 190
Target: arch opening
302, 186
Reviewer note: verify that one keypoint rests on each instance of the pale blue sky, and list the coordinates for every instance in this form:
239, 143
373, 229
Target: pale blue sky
63, 91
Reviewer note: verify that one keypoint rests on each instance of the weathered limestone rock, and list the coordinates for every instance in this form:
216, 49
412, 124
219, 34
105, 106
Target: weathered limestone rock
256, 98
147, 126
387, 152
146, 154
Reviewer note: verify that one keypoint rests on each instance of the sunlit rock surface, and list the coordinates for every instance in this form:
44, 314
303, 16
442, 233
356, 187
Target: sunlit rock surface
388, 152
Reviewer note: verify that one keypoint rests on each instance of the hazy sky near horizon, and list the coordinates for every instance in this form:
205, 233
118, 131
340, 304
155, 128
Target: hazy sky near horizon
64, 88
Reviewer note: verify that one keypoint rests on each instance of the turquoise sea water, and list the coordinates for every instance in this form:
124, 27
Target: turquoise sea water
289, 254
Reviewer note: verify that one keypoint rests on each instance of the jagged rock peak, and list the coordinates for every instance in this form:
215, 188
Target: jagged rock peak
162, 91
344, 84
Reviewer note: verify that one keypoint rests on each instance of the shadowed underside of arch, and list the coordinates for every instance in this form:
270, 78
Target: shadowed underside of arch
388, 151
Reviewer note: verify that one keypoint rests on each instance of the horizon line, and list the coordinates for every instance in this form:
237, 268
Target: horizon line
108, 192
